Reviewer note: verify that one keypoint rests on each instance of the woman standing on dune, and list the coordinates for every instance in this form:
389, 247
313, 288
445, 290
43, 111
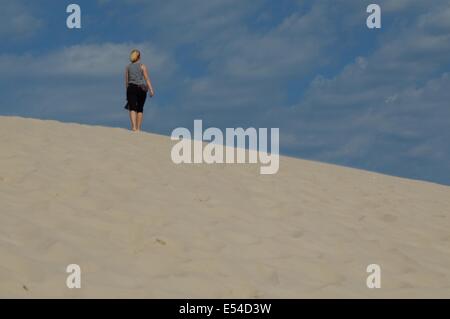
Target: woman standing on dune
137, 83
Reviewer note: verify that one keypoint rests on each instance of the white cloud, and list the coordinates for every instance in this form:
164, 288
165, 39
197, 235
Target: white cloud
87, 60
16, 21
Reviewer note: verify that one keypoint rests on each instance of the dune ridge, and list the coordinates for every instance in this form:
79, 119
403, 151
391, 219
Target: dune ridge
139, 226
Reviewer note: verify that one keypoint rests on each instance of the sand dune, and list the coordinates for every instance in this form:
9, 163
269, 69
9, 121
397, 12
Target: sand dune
113, 202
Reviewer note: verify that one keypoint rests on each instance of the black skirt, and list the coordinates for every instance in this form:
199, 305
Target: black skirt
135, 98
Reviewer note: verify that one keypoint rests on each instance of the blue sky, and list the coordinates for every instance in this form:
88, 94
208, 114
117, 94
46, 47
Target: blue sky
339, 92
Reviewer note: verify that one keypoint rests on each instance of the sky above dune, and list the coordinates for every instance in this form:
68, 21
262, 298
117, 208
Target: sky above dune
338, 91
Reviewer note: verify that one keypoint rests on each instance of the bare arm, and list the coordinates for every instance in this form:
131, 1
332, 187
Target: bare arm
147, 79
126, 77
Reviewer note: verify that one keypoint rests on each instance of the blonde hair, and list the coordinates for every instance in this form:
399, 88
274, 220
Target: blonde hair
135, 55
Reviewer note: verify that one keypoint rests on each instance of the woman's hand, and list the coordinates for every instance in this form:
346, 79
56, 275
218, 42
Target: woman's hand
147, 79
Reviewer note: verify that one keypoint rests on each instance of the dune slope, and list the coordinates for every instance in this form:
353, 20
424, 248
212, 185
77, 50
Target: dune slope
138, 225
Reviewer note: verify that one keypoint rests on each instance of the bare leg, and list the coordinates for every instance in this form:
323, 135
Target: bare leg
140, 117
133, 120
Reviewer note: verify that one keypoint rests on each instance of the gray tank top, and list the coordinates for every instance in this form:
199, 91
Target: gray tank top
135, 74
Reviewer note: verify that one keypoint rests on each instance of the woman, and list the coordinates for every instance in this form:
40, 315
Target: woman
137, 83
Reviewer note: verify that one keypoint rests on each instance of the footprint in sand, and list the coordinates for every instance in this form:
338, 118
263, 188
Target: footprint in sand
203, 199
405, 285
298, 234
160, 241
274, 279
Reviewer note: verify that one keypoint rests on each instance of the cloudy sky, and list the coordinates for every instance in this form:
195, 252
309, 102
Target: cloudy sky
339, 92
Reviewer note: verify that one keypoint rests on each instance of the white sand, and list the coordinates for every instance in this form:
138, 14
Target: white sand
113, 202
